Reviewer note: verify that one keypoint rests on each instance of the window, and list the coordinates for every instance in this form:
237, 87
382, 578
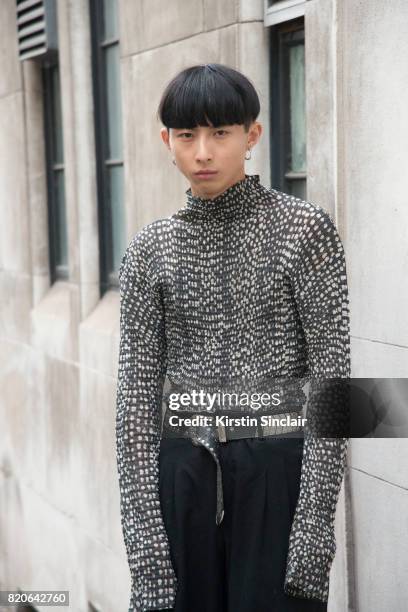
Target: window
57, 227
108, 139
288, 113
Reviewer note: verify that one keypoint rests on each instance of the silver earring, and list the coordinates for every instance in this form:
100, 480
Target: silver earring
250, 153
174, 162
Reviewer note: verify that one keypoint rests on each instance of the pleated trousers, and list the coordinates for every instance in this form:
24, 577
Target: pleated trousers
239, 565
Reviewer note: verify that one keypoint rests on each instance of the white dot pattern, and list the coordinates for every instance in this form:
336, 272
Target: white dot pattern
251, 284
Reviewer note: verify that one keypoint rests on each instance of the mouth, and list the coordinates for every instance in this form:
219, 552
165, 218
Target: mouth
205, 173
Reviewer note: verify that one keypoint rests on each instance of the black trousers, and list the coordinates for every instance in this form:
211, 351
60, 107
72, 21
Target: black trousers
239, 565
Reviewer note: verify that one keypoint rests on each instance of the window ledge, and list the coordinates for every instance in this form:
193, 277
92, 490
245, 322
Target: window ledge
99, 336
283, 11
54, 322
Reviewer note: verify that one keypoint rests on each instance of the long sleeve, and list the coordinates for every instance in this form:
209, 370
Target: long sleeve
142, 365
320, 290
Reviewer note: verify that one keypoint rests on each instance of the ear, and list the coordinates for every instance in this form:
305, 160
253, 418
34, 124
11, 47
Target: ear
165, 136
255, 132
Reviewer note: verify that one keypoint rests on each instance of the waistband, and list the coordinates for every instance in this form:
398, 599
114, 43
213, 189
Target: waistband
217, 431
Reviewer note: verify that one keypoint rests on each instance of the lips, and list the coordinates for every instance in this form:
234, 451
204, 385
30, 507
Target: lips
205, 172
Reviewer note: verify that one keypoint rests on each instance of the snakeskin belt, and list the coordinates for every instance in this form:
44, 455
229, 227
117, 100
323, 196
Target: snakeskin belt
214, 432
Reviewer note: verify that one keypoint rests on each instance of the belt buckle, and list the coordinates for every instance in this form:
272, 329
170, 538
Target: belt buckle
222, 436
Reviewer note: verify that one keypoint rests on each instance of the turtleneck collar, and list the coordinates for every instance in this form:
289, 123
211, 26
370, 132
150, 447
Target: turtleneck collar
235, 201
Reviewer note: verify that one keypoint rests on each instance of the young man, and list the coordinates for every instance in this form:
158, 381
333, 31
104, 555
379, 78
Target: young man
243, 286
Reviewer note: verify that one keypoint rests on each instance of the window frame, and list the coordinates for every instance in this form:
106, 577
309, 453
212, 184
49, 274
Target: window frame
280, 134
108, 280
57, 271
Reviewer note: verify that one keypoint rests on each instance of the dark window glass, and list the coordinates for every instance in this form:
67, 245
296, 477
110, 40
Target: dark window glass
288, 108
108, 139
58, 244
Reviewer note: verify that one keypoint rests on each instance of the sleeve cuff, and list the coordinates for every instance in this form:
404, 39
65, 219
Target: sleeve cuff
155, 593
312, 547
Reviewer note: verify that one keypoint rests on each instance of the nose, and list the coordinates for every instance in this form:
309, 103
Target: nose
203, 150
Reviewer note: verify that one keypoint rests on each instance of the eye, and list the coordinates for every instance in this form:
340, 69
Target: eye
184, 134
218, 131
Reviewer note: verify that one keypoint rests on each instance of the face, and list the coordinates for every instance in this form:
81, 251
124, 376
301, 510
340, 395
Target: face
218, 150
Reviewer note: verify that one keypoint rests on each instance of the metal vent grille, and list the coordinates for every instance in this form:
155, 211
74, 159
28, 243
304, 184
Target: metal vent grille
36, 29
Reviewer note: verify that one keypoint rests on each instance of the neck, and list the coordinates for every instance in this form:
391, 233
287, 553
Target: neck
236, 201
206, 195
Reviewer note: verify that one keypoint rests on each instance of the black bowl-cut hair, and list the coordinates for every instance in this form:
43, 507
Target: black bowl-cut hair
208, 95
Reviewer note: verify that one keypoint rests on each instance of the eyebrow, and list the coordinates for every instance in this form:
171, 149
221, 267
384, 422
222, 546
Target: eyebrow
213, 127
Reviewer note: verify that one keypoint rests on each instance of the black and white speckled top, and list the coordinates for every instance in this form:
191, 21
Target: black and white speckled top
252, 284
